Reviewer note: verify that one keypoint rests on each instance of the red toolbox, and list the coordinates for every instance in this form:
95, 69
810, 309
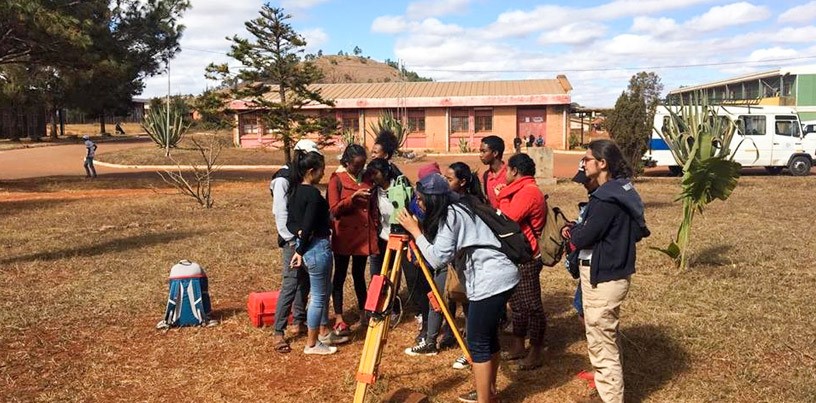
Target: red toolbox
261, 308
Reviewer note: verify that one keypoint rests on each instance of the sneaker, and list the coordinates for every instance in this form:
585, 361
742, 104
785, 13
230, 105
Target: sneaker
469, 397
422, 348
461, 363
341, 328
332, 338
319, 349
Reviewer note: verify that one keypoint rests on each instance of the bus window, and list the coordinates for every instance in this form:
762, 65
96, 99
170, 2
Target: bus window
786, 127
751, 125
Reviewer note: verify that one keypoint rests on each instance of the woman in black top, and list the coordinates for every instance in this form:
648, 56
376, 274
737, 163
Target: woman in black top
606, 237
309, 220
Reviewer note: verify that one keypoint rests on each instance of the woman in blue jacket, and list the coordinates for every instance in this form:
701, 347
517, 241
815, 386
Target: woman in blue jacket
613, 223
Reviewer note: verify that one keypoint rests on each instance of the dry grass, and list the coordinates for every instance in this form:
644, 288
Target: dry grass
186, 153
83, 282
93, 129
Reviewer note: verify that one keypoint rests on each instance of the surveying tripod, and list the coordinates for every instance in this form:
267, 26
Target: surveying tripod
381, 294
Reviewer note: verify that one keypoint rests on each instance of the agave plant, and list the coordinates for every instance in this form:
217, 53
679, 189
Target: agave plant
464, 146
155, 124
388, 122
700, 141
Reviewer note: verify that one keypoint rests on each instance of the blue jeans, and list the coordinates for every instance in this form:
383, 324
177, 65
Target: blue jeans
483, 326
89, 167
317, 261
435, 319
294, 289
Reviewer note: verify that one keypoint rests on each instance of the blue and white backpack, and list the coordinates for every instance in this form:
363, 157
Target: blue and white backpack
189, 301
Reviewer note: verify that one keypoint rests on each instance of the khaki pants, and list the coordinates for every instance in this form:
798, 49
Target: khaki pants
601, 317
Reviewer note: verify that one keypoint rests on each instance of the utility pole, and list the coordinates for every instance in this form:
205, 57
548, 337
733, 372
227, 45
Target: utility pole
167, 128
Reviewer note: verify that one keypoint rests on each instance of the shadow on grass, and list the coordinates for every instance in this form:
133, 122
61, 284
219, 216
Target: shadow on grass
112, 245
10, 208
651, 359
713, 256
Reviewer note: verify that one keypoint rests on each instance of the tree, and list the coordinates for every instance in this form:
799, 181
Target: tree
42, 32
627, 124
700, 142
630, 123
131, 40
272, 63
357, 51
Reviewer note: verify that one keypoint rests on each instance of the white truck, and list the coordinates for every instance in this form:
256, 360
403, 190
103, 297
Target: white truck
773, 136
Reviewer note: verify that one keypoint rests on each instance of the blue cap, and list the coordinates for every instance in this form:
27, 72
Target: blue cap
433, 184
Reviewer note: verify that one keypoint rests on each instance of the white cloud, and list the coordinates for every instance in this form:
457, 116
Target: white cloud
390, 24
435, 8
573, 34
656, 26
796, 35
772, 53
729, 15
315, 38
804, 13
301, 4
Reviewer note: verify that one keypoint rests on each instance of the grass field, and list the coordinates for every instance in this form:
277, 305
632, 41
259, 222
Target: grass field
186, 153
83, 282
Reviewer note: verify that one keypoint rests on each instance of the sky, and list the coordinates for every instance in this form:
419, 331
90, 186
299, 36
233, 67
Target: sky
598, 45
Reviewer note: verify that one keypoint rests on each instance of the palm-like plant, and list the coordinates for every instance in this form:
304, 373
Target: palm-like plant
155, 124
388, 122
700, 142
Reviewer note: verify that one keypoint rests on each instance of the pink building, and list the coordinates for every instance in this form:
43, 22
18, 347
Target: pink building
440, 115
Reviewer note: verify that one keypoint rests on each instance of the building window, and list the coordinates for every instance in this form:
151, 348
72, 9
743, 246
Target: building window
484, 120
416, 121
249, 124
459, 121
751, 125
350, 121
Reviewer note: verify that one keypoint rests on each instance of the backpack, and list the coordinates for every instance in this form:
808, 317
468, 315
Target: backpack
188, 303
513, 242
551, 243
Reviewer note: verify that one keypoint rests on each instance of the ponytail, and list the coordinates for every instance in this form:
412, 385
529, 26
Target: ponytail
302, 163
473, 186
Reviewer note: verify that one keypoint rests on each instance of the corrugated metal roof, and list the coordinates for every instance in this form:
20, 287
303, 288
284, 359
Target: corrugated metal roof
438, 89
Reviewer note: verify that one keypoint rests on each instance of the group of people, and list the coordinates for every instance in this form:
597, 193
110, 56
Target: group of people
321, 236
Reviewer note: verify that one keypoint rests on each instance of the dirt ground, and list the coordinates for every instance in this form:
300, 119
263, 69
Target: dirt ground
83, 282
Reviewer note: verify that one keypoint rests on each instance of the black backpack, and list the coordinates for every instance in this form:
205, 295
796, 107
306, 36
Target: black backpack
513, 242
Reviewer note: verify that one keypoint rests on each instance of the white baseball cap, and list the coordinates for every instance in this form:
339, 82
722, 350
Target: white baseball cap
306, 145
86, 137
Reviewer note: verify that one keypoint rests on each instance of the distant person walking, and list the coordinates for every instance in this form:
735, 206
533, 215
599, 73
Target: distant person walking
539, 141
90, 146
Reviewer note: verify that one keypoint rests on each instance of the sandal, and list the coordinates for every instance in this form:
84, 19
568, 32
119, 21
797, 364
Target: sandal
283, 347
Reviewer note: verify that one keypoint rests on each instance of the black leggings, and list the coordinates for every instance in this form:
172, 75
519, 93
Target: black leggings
358, 264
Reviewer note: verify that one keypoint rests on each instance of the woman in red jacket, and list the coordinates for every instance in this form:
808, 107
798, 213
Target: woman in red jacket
523, 202
354, 224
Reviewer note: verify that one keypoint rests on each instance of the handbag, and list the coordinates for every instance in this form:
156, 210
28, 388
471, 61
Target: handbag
455, 286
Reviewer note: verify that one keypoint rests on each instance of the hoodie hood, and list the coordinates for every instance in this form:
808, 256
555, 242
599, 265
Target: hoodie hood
623, 193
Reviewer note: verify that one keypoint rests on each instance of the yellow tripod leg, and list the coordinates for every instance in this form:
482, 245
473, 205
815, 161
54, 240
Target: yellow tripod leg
438, 296
377, 333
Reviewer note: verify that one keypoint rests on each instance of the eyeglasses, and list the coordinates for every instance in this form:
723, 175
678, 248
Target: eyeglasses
587, 159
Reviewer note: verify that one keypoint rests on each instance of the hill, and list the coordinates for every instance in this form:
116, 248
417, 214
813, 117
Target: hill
360, 69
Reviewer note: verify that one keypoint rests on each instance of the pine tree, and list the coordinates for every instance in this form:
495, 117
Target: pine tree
273, 63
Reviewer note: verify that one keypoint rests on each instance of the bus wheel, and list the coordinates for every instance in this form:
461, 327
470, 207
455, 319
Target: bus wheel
675, 170
774, 170
800, 165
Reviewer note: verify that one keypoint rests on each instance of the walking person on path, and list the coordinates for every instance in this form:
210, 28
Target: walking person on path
90, 146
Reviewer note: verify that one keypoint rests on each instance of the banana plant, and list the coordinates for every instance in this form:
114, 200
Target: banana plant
700, 141
155, 124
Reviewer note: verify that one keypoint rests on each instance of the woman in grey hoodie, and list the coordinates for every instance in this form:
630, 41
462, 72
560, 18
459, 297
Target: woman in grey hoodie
451, 232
